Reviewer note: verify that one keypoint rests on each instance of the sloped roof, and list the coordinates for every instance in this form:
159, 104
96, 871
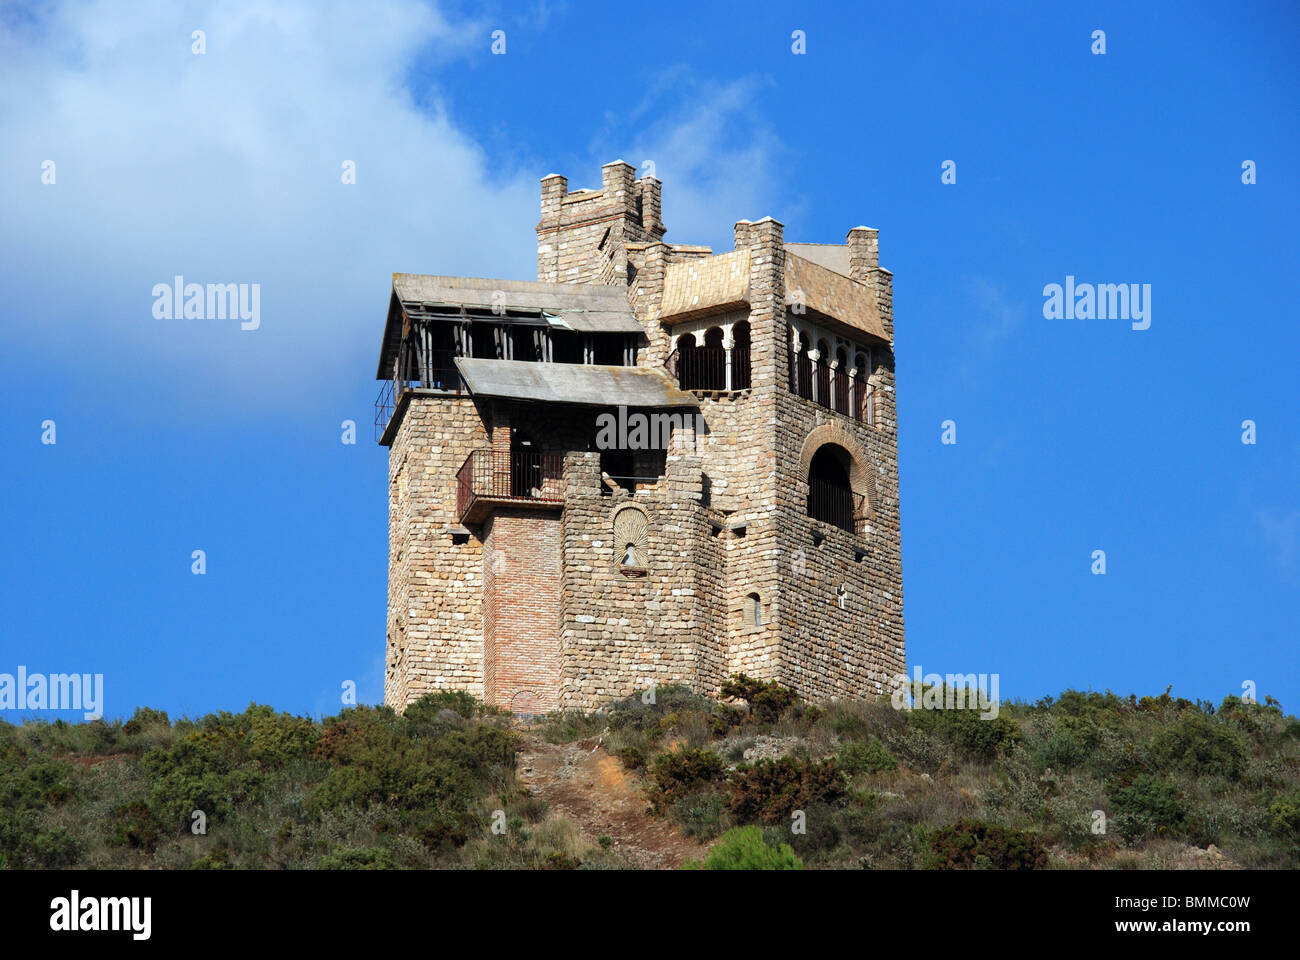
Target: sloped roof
590, 308
572, 383
586, 308
706, 285
833, 294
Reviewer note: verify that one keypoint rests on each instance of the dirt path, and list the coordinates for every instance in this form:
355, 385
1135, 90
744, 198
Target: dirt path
589, 787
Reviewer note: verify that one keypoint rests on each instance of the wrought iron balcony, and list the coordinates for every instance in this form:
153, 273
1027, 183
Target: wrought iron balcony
832, 389
492, 477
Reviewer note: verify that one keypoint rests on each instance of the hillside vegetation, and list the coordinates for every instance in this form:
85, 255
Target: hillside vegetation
1082, 780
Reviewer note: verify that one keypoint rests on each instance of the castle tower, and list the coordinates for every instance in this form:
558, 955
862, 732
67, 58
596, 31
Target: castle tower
654, 465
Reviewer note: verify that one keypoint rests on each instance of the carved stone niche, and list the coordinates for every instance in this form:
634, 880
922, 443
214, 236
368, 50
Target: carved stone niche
632, 540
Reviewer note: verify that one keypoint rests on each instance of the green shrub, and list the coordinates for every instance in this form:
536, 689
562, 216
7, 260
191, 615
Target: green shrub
701, 814
856, 757
350, 858
767, 699
1285, 814
973, 844
744, 848
770, 790
145, 717
681, 772
1148, 806
633, 758
134, 825
1199, 746
968, 730
427, 708
55, 848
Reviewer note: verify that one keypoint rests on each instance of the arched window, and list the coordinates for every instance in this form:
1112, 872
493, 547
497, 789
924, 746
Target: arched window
754, 604
830, 497
687, 364
740, 356
713, 370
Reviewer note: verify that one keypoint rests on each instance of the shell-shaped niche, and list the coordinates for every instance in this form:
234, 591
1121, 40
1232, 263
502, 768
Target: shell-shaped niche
631, 537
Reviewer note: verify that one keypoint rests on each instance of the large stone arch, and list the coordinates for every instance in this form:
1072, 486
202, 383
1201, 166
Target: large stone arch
862, 476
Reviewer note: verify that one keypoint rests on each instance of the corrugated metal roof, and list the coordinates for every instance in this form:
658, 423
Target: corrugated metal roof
587, 308
572, 383
584, 308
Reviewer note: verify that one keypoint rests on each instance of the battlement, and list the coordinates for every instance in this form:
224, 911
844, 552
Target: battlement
582, 236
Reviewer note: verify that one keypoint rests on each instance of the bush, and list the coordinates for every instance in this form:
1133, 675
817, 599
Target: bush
679, 773
770, 790
744, 848
427, 708
1148, 806
143, 718
767, 700
1199, 746
856, 757
134, 825
967, 730
1285, 814
349, 858
973, 844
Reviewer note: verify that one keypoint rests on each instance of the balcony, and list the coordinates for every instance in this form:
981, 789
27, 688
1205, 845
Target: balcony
711, 369
832, 389
491, 478
442, 376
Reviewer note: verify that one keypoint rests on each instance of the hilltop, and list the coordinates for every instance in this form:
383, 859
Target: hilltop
1083, 780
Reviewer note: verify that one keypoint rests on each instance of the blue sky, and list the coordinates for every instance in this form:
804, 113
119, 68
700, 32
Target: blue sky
1072, 435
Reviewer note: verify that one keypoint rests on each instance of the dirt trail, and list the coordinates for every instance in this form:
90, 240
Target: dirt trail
589, 787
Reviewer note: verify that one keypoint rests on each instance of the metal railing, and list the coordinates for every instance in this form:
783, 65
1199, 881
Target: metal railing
834, 503
509, 475
440, 374
740, 377
833, 390
704, 368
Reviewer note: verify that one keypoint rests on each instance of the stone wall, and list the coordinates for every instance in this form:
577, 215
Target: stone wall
435, 619
536, 601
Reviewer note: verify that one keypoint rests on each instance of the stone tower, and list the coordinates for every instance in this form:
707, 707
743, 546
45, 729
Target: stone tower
655, 465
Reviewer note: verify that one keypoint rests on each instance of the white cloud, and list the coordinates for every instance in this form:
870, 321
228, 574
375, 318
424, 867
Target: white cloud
226, 168
710, 146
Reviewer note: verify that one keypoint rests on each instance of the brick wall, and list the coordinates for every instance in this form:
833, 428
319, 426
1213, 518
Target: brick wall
521, 599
